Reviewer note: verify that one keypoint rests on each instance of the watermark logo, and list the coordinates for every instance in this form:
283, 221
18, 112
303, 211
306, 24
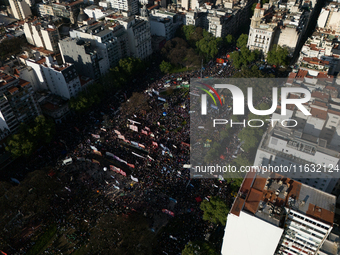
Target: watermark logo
238, 99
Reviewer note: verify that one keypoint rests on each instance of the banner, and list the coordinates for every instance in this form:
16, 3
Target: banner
131, 165
117, 132
214, 107
185, 144
96, 136
150, 158
93, 148
162, 99
134, 179
168, 212
138, 155
134, 143
103, 129
117, 170
97, 152
144, 132
109, 154
156, 92
133, 122
141, 146
95, 161
155, 144
127, 141
146, 128
121, 137
134, 128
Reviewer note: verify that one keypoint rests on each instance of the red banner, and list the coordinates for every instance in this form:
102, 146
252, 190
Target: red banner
131, 165
141, 145
95, 161
117, 170
97, 153
144, 132
168, 212
185, 144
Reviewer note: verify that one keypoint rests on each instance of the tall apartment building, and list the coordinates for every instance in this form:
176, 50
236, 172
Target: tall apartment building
138, 34
41, 34
17, 103
273, 214
96, 12
260, 35
287, 147
125, 5
20, 8
329, 18
62, 80
103, 38
88, 59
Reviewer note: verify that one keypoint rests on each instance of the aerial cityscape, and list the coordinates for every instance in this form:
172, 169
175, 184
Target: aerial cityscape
171, 127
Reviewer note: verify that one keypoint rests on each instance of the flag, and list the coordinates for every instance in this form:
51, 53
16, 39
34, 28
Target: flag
144, 132
95, 161
93, 148
155, 144
141, 146
103, 129
121, 137
134, 128
96, 136
117, 132
109, 154
97, 152
131, 165
127, 141
134, 179
146, 128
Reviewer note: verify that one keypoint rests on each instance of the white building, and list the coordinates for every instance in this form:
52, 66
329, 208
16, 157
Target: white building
61, 80
273, 214
125, 5
20, 8
260, 35
17, 104
104, 39
138, 34
42, 35
329, 18
97, 12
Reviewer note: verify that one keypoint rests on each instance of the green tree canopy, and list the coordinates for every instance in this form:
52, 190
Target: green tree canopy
29, 138
278, 56
165, 67
229, 39
198, 248
242, 41
215, 210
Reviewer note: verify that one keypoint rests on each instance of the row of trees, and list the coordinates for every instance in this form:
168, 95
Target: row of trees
31, 137
114, 80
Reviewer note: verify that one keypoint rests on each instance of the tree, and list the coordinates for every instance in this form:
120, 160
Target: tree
135, 104
242, 41
208, 46
29, 138
278, 56
165, 67
250, 138
234, 183
215, 210
198, 248
229, 39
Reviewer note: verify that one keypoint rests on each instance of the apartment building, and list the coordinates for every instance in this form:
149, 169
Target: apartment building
103, 38
42, 34
20, 9
138, 33
96, 12
273, 214
62, 80
88, 59
17, 103
130, 6
329, 18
